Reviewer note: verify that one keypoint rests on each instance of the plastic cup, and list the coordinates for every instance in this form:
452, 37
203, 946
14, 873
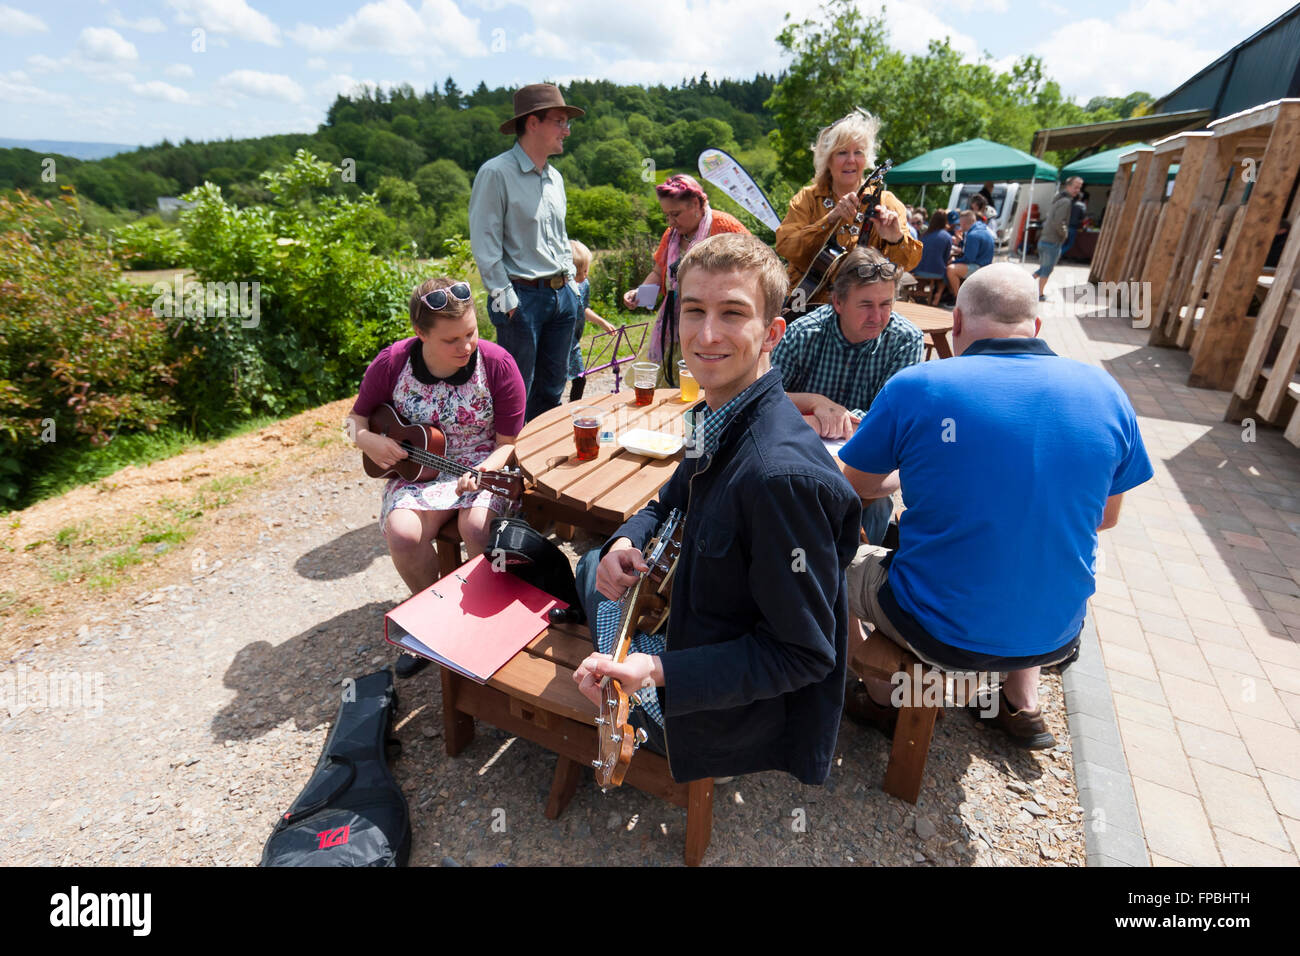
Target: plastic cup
645, 375
586, 431
690, 387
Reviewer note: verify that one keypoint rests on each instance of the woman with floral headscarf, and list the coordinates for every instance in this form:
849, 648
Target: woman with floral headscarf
690, 219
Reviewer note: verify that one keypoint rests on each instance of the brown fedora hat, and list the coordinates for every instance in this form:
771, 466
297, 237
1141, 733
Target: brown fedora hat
537, 97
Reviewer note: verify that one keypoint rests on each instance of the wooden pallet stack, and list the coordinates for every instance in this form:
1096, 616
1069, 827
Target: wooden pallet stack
1242, 189
1266, 388
1120, 217
1174, 222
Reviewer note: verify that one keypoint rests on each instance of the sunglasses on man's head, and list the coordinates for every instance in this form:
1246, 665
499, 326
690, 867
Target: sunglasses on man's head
876, 270
439, 299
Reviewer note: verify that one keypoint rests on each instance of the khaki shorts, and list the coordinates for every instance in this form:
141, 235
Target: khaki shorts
867, 574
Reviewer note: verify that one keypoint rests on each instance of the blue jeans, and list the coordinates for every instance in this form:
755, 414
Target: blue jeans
539, 336
875, 518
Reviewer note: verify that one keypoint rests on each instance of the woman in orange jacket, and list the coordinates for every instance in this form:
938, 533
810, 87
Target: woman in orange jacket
843, 156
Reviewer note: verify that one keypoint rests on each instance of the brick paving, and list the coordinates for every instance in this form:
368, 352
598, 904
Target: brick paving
1198, 607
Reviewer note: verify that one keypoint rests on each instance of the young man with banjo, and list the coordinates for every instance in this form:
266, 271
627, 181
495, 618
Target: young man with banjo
748, 674
829, 211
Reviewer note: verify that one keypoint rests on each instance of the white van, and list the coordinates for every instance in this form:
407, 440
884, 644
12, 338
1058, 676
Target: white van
1014, 197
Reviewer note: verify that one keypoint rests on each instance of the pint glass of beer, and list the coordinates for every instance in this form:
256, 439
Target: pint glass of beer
586, 431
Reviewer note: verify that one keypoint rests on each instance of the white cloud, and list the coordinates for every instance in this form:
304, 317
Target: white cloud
180, 71
611, 40
234, 17
42, 63
978, 6
144, 24
260, 85
158, 90
316, 63
393, 26
339, 83
15, 90
18, 23
912, 26
1097, 58
106, 46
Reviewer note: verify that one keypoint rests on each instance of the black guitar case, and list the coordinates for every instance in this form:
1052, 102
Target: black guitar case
530, 556
352, 812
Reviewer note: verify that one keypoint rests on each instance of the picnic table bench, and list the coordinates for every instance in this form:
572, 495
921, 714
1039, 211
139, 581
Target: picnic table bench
535, 697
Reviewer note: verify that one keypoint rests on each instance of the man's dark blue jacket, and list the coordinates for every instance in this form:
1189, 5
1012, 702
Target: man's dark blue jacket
754, 670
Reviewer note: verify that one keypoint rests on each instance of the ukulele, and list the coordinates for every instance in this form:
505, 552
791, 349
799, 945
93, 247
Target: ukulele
645, 608
796, 303
424, 461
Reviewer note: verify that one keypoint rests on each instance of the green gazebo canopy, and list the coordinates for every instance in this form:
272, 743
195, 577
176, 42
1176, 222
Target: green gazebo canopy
1099, 168
975, 160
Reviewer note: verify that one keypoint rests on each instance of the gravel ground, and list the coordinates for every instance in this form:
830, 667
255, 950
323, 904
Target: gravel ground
220, 679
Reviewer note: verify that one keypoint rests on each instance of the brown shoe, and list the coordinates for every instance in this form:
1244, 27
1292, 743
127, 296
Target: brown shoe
1026, 728
860, 708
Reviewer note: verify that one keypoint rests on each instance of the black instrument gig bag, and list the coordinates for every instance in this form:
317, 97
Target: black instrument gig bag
530, 556
352, 812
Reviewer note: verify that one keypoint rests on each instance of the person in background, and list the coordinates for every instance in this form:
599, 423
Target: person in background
473, 391
835, 360
843, 156
581, 266
1054, 232
690, 220
1078, 213
936, 245
976, 251
1010, 460
517, 208
986, 213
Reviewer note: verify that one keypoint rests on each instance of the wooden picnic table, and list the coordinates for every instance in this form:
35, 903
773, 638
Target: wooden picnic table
934, 322
598, 495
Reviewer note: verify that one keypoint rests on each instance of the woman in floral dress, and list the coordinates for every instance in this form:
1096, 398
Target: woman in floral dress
471, 390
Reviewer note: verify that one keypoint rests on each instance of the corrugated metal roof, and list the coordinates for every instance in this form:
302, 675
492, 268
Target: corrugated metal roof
1265, 66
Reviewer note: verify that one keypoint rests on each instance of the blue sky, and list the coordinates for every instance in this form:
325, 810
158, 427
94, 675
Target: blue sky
132, 71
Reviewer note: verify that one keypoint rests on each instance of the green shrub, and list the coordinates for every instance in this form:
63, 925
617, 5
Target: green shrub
326, 303
149, 243
616, 270
80, 357
604, 217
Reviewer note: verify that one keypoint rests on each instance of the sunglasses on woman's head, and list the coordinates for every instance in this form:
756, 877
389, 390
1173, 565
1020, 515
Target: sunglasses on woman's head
439, 299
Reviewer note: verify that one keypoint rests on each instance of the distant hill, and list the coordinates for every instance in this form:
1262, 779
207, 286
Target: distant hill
67, 147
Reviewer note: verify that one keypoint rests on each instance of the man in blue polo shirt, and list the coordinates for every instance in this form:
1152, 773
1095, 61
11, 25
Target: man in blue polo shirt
1010, 459
976, 251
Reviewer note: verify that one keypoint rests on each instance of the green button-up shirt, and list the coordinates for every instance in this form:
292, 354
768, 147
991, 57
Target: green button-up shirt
516, 224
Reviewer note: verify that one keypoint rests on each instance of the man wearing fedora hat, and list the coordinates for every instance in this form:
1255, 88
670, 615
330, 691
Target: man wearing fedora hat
516, 228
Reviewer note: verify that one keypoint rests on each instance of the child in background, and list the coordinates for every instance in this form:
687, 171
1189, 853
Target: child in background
581, 264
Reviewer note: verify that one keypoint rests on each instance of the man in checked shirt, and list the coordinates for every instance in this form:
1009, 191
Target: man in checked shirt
835, 359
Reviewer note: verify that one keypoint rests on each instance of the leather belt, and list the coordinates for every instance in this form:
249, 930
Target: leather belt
556, 281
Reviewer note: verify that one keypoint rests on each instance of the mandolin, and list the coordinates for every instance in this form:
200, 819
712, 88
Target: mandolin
823, 264
424, 461
645, 608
